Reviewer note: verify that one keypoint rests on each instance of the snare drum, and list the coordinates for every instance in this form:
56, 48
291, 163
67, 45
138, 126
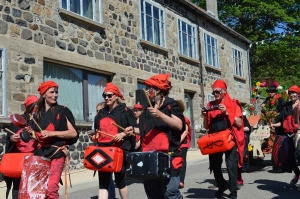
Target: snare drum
12, 164
106, 159
35, 176
216, 142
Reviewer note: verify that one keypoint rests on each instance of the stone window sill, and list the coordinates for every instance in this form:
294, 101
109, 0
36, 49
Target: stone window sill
81, 18
4, 121
239, 78
189, 59
212, 68
151, 45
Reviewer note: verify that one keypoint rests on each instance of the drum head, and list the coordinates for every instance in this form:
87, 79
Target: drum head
18, 120
24, 136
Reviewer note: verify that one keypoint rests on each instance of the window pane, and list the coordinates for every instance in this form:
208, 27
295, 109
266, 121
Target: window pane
142, 5
189, 30
156, 32
75, 6
183, 27
156, 13
96, 85
143, 26
190, 47
180, 45
184, 44
148, 9
67, 78
88, 8
162, 28
1, 60
141, 86
64, 4
149, 28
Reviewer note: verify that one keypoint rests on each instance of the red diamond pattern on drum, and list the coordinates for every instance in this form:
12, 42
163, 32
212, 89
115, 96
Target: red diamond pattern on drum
98, 158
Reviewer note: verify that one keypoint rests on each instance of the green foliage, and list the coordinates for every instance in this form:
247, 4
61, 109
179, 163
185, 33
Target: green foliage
278, 57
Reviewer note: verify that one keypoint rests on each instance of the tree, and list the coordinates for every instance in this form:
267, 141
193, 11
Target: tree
274, 52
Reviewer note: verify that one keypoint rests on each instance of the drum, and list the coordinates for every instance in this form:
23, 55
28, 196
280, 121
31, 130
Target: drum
216, 142
106, 159
148, 165
34, 179
12, 164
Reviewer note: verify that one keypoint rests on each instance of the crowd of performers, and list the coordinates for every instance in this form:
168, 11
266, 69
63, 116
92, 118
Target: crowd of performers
159, 127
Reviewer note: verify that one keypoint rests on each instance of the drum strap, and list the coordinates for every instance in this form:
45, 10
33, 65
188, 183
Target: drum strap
67, 167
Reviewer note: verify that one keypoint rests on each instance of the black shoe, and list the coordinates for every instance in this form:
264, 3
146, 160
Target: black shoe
220, 192
233, 197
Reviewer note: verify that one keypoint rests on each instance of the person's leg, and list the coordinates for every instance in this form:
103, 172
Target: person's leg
172, 191
121, 183
104, 181
15, 190
231, 158
154, 188
183, 168
56, 168
8, 182
215, 164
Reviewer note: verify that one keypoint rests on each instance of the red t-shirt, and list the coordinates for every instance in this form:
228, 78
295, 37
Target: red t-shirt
186, 143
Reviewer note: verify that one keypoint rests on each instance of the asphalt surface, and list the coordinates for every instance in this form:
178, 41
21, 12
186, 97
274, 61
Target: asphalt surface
259, 182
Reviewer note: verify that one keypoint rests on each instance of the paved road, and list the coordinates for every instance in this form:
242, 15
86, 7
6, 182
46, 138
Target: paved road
259, 184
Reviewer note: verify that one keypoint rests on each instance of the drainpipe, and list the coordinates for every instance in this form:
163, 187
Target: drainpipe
249, 72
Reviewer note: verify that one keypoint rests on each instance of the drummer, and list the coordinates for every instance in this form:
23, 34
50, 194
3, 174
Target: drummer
59, 130
119, 113
166, 119
14, 144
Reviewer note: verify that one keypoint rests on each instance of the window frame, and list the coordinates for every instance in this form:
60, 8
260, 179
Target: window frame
234, 63
161, 8
81, 9
85, 94
180, 42
3, 112
216, 50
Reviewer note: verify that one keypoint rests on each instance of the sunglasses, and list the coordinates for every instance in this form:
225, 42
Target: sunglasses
107, 95
98, 110
136, 110
216, 92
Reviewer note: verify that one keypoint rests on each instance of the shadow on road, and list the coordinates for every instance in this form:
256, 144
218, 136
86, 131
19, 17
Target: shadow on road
282, 189
203, 193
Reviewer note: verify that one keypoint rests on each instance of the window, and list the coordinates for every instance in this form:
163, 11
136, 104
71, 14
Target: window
2, 83
238, 63
87, 8
210, 97
152, 23
79, 90
188, 103
141, 86
211, 51
187, 39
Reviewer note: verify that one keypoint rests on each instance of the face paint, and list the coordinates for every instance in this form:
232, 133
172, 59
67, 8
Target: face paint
54, 91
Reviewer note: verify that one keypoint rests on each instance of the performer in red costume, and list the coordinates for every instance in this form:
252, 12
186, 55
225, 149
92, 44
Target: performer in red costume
226, 114
119, 113
163, 127
58, 130
14, 144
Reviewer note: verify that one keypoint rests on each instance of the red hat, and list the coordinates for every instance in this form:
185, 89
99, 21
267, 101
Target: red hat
30, 100
219, 84
46, 85
110, 87
295, 89
160, 81
138, 106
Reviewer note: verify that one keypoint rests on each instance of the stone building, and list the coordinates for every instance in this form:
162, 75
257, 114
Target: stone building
82, 44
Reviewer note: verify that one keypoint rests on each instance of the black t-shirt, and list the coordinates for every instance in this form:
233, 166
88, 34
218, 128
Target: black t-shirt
54, 120
279, 105
169, 106
124, 117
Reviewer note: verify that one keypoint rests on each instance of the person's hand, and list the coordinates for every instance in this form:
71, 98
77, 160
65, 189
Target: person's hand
204, 113
129, 130
155, 112
222, 107
15, 138
119, 137
46, 134
272, 126
137, 144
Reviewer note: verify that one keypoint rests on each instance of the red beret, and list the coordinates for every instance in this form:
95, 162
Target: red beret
30, 100
295, 89
160, 81
219, 84
110, 87
138, 106
46, 85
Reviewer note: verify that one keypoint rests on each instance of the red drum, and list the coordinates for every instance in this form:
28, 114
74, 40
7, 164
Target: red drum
106, 159
216, 142
12, 164
35, 176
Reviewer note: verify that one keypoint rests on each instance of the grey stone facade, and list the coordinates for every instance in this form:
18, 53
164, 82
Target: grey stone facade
35, 31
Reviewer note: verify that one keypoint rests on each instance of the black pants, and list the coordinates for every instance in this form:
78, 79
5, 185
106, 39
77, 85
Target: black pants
16, 183
231, 159
183, 168
291, 158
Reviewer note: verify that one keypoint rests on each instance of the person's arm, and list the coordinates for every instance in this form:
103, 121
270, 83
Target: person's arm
184, 134
238, 122
278, 124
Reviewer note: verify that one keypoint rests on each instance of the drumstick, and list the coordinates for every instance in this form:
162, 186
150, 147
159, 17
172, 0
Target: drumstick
106, 134
120, 127
9, 131
147, 98
31, 117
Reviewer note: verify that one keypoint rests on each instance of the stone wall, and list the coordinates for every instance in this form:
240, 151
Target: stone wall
35, 31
